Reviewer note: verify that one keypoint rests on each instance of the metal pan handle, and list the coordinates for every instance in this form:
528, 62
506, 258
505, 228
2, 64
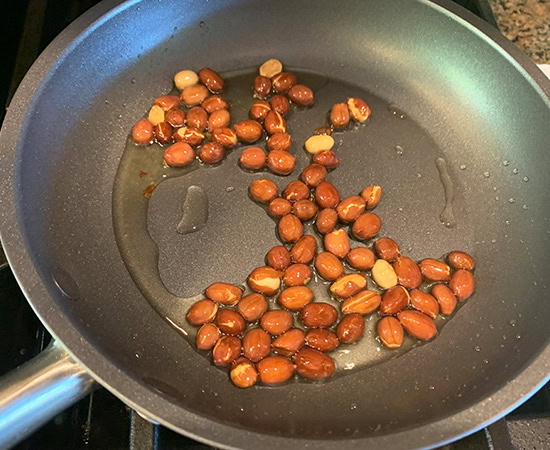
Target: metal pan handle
38, 390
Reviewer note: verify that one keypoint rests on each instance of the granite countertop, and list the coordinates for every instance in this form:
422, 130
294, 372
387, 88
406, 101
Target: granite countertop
527, 24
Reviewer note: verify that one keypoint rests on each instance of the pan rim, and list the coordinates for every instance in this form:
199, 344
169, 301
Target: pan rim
136, 394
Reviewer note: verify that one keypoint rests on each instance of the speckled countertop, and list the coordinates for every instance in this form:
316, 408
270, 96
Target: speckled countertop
527, 24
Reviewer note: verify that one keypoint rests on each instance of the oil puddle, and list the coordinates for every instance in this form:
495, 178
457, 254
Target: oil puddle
199, 226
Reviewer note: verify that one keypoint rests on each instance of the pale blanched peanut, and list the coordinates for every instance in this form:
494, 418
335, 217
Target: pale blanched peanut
270, 68
383, 274
185, 78
319, 143
156, 115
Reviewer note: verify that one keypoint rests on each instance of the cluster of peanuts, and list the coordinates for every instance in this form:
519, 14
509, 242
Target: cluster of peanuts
264, 350
242, 332
272, 83
321, 143
205, 125
199, 118
280, 88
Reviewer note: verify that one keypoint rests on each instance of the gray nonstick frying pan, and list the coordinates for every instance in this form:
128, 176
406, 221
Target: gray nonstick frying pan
111, 278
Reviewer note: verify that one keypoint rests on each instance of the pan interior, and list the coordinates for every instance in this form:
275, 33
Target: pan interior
462, 99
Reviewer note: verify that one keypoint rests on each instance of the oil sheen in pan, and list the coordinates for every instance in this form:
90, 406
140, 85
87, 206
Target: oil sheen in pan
172, 259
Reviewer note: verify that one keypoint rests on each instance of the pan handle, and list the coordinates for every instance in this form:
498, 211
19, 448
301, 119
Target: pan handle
38, 390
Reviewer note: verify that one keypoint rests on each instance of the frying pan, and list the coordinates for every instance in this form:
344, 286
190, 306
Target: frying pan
107, 273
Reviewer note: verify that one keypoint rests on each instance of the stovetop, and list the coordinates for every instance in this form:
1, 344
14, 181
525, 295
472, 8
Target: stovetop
101, 420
